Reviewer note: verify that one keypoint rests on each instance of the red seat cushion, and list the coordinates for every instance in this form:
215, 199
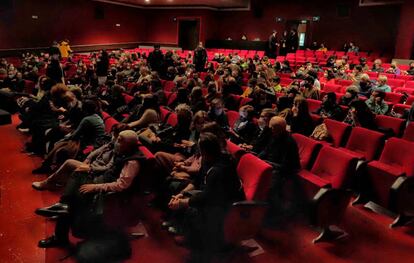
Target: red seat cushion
337, 131
308, 148
314, 179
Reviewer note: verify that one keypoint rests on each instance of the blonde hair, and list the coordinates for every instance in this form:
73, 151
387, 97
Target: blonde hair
365, 77
382, 78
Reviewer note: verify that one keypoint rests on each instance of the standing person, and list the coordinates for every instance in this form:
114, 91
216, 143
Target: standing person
283, 44
64, 48
102, 67
54, 70
293, 41
200, 57
54, 51
272, 45
156, 59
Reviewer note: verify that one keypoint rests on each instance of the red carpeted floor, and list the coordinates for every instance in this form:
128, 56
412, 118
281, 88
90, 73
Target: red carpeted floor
369, 239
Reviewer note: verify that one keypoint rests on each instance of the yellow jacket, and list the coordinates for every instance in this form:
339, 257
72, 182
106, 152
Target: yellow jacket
64, 49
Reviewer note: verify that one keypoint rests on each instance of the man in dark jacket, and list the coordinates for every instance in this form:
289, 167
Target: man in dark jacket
156, 59
200, 57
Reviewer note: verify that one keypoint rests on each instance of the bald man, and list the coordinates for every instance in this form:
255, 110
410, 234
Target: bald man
79, 192
282, 149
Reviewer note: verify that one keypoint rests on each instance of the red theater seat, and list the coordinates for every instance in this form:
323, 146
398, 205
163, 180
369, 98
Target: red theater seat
364, 144
232, 117
313, 105
400, 108
236, 151
332, 88
394, 98
395, 125
409, 132
245, 218
390, 178
399, 83
325, 185
338, 131
308, 150
109, 122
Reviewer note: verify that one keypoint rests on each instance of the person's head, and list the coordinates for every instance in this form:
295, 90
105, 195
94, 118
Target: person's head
157, 47
394, 65
184, 115
382, 80
58, 91
301, 104
358, 69
278, 126
411, 65
265, 117
182, 95
377, 63
329, 98
211, 87
117, 128
217, 106
276, 80
378, 95
214, 128
196, 94
199, 119
246, 112
209, 146
126, 143
150, 102
89, 107
362, 61
365, 78
351, 92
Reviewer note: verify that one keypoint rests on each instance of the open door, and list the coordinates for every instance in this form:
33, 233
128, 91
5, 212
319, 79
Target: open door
188, 33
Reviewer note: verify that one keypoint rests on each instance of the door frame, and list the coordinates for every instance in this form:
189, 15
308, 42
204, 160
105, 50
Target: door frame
190, 18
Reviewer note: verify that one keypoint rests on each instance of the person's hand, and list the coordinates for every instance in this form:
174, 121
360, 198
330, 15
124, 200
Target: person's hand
187, 143
174, 204
179, 168
83, 168
62, 110
87, 188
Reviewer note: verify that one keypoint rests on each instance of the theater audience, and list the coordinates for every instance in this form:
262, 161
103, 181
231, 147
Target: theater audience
359, 115
148, 113
351, 95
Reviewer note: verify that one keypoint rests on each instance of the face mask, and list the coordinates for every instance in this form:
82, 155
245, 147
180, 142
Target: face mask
218, 111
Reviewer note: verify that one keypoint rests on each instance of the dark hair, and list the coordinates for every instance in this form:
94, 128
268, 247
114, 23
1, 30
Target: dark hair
209, 144
89, 107
214, 128
380, 94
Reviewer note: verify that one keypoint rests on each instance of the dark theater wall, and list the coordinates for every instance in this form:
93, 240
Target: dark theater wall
74, 20
372, 28
369, 27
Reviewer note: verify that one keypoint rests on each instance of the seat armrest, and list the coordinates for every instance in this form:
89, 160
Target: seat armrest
247, 203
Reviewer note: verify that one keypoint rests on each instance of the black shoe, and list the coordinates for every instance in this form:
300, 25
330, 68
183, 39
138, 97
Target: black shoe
42, 170
57, 209
52, 241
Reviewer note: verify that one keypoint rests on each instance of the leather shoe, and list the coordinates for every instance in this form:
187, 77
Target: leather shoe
52, 241
53, 210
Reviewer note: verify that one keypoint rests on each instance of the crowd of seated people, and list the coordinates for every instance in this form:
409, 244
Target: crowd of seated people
196, 177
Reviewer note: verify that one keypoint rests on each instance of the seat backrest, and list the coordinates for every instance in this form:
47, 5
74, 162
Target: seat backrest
409, 132
256, 176
335, 166
337, 130
392, 97
172, 119
313, 105
232, 116
169, 85
409, 84
387, 122
235, 150
332, 88
109, 122
399, 152
401, 108
396, 82
308, 149
365, 141
128, 98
